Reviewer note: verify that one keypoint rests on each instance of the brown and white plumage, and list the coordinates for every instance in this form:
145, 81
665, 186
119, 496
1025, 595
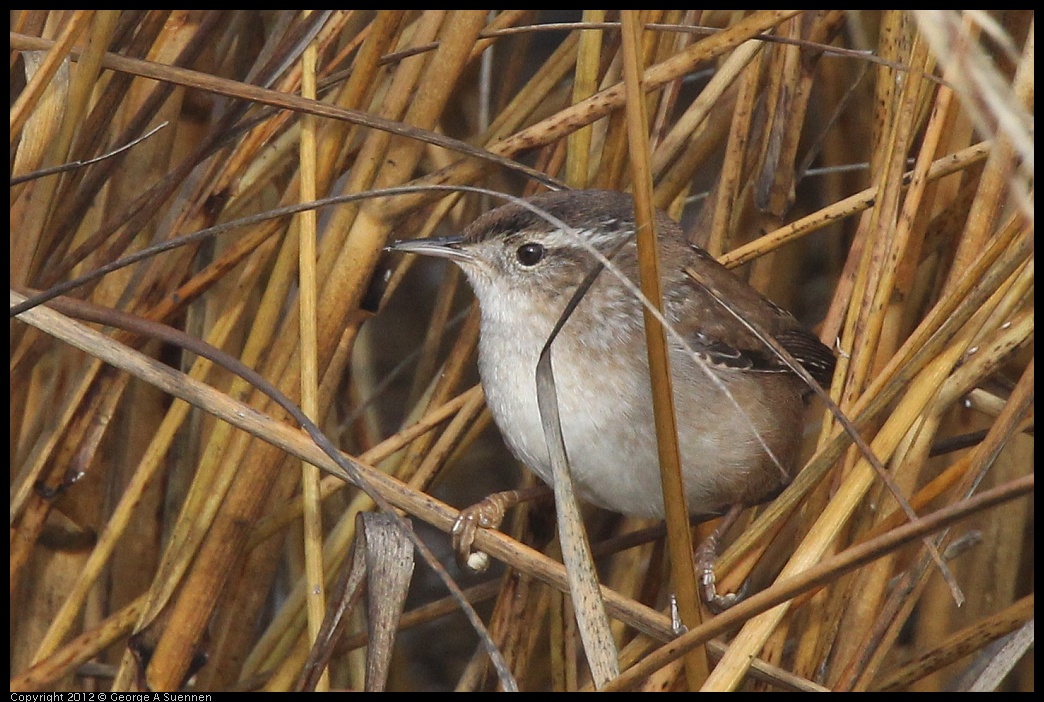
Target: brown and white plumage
733, 396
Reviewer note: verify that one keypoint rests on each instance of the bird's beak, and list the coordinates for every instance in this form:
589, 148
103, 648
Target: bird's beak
443, 247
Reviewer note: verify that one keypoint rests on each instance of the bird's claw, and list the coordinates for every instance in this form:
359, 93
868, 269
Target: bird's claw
487, 514
705, 556
708, 590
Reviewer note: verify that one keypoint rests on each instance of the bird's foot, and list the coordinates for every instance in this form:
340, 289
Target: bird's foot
487, 514
705, 556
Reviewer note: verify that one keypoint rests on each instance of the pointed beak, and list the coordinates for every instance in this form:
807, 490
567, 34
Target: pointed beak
450, 247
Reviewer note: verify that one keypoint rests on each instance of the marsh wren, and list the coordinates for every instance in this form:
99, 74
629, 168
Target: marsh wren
739, 407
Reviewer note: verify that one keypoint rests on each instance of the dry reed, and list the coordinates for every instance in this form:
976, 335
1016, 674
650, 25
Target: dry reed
872, 171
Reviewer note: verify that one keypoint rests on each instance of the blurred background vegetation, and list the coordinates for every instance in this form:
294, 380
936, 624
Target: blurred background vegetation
870, 170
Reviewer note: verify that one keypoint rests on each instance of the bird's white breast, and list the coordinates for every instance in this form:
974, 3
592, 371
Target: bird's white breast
612, 453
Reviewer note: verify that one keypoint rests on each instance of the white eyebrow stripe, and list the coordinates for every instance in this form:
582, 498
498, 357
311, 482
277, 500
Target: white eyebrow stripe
599, 238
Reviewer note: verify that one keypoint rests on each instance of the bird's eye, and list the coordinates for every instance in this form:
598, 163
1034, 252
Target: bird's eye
530, 254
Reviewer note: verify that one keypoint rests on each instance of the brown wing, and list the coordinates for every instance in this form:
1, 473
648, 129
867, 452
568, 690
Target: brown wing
716, 334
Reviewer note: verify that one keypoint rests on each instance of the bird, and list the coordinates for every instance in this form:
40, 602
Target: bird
739, 406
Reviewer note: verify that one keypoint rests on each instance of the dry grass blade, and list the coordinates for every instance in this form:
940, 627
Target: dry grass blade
1005, 660
306, 223
869, 171
384, 558
389, 555
576, 552
679, 538
343, 597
